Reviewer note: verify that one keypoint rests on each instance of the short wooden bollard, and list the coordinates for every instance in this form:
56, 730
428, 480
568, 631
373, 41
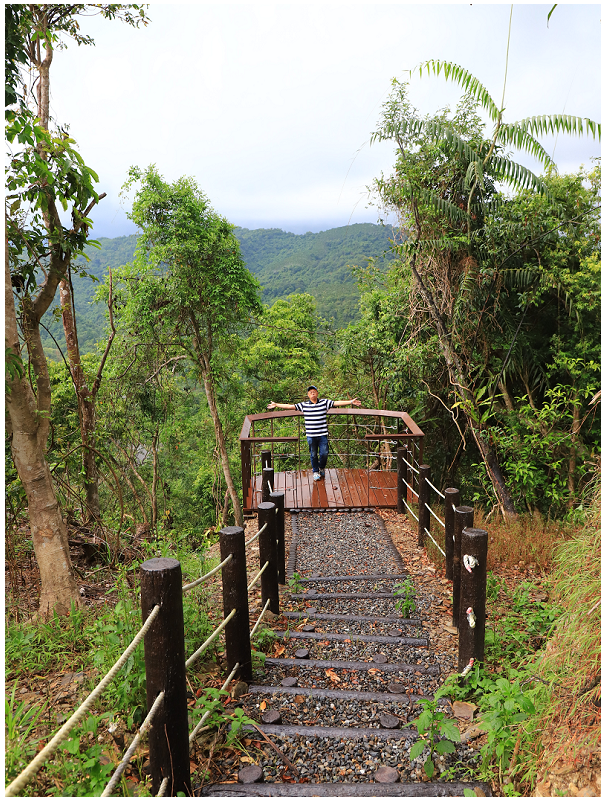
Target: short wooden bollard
280, 534
424, 501
165, 660
266, 483
235, 595
265, 459
401, 479
464, 518
451, 501
474, 552
268, 551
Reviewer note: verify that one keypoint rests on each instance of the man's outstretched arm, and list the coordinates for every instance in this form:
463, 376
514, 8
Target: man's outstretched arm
353, 402
285, 406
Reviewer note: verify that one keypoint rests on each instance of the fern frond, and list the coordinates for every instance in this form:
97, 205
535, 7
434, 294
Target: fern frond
453, 213
559, 123
521, 278
516, 175
463, 78
512, 134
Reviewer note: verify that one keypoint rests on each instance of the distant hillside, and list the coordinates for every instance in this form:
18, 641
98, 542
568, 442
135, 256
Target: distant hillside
284, 263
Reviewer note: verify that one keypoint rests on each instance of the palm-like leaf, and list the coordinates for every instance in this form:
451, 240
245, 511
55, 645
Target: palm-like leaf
465, 79
559, 123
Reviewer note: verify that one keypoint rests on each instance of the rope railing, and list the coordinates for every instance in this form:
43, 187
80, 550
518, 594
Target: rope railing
208, 575
208, 641
435, 489
261, 615
408, 507
257, 534
411, 466
31, 769
435, 542
163, 787
199, 727
435, 515
110, 787
257, 576
411, 489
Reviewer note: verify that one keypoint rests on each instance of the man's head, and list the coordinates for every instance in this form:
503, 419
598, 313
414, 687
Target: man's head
312, 393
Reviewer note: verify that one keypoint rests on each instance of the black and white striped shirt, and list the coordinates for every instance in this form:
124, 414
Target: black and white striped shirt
315, 416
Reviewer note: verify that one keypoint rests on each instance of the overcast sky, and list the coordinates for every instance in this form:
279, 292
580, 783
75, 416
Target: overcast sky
270, 107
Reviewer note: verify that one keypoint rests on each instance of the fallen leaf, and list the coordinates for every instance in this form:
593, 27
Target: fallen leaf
347, 641
263, 705
373, 671
464, 710
246, 759
332, 676
279, 649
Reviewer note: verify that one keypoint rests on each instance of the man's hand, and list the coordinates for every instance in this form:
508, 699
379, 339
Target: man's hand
355, 402
270, 405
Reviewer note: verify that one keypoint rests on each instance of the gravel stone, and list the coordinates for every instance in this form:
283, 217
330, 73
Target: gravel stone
251, 774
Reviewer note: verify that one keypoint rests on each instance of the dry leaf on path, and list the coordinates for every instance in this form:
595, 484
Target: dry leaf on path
332, 676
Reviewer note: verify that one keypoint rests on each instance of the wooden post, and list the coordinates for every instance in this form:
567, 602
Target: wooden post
278, 499
423, 512
451, 498
265, 458
235, 595
464, 518
165, 660
474, 545
267, 481
268, 552
401, 479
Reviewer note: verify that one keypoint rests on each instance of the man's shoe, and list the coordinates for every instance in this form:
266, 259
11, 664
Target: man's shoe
322, 473
316, 476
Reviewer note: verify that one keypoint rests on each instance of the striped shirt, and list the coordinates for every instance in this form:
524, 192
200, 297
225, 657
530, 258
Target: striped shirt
315, 416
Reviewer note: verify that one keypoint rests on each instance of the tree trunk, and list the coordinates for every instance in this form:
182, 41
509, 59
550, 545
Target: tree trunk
27, 428
459, 382
225, 462
86, 405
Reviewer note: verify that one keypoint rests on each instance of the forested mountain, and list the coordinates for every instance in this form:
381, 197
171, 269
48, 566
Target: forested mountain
284, 263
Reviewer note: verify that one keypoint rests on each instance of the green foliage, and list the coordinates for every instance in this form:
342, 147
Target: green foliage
295, 582
20, 720
440, 733
407, 593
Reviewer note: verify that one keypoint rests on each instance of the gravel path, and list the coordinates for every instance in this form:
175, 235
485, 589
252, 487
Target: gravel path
333, 681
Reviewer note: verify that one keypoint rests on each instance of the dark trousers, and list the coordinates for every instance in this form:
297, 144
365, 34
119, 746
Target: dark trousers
318, 450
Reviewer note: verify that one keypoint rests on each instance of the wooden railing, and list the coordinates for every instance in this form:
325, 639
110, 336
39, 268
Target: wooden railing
363, 438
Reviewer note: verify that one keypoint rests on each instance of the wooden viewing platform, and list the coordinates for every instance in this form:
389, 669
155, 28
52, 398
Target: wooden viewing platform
362, 468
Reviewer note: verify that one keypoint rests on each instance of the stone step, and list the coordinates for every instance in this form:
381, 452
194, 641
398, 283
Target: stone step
392, 619
323, 732
311, 597
358, 666
340, 789
347, 578
342, 637
334, 694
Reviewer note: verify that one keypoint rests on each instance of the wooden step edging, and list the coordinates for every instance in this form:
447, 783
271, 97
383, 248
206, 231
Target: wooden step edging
340, 789
306, 614
358, 666
355, 637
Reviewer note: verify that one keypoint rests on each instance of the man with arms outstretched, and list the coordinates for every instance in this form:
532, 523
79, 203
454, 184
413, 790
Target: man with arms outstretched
316, 426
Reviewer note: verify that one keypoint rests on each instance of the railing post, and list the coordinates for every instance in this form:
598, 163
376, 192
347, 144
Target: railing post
165, 661
268, 552
265, 458
474, 545
424, 497
280, 534
267, 481
235, 595
401, 478
451, 498
464, 518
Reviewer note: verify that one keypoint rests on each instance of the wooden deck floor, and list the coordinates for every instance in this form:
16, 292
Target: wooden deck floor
341, 488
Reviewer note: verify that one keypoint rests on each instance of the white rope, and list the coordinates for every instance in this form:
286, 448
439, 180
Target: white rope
252, 633
410, 466
257, 534
215, 633
435, 542
435, 515
199, 727
133, 747
270, 489
435, 489
257, 576
163, 787
206, 577
23, 779
410, 511
411, 489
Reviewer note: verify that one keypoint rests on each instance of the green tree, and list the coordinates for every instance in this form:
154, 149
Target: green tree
445, 187
187, 287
